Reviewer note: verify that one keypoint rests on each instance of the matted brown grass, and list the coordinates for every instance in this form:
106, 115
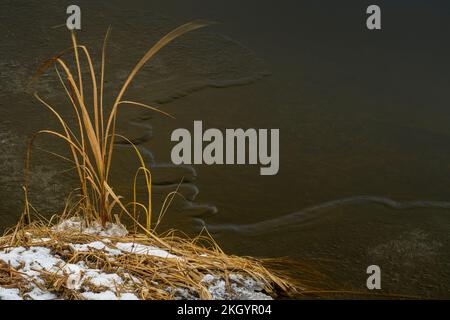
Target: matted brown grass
199, 256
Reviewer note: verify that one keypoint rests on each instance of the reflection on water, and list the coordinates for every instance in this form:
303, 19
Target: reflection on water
359, 115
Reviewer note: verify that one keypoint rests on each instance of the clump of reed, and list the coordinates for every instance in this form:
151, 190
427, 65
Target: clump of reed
91, 143
91, 140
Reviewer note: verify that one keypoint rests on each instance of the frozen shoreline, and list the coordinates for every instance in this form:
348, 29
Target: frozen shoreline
39, 264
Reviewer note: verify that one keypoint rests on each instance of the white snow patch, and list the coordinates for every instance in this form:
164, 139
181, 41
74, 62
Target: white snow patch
95, 246
30, 260
138, 248
241, 288
33, 260
123, 247
39, 294
208, 278
9, 294
94, 228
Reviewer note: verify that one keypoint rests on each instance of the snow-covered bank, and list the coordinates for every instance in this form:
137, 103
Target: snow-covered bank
98, 268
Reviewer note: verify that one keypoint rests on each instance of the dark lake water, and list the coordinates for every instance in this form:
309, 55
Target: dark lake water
363, 116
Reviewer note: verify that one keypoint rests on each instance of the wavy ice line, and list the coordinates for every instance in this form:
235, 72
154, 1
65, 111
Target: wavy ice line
295, 217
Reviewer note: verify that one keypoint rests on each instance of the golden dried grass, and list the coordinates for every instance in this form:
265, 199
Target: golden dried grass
198, 256
91, 144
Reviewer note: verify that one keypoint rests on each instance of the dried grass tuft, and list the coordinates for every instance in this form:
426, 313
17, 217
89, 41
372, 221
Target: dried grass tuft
199, 256
91, 143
